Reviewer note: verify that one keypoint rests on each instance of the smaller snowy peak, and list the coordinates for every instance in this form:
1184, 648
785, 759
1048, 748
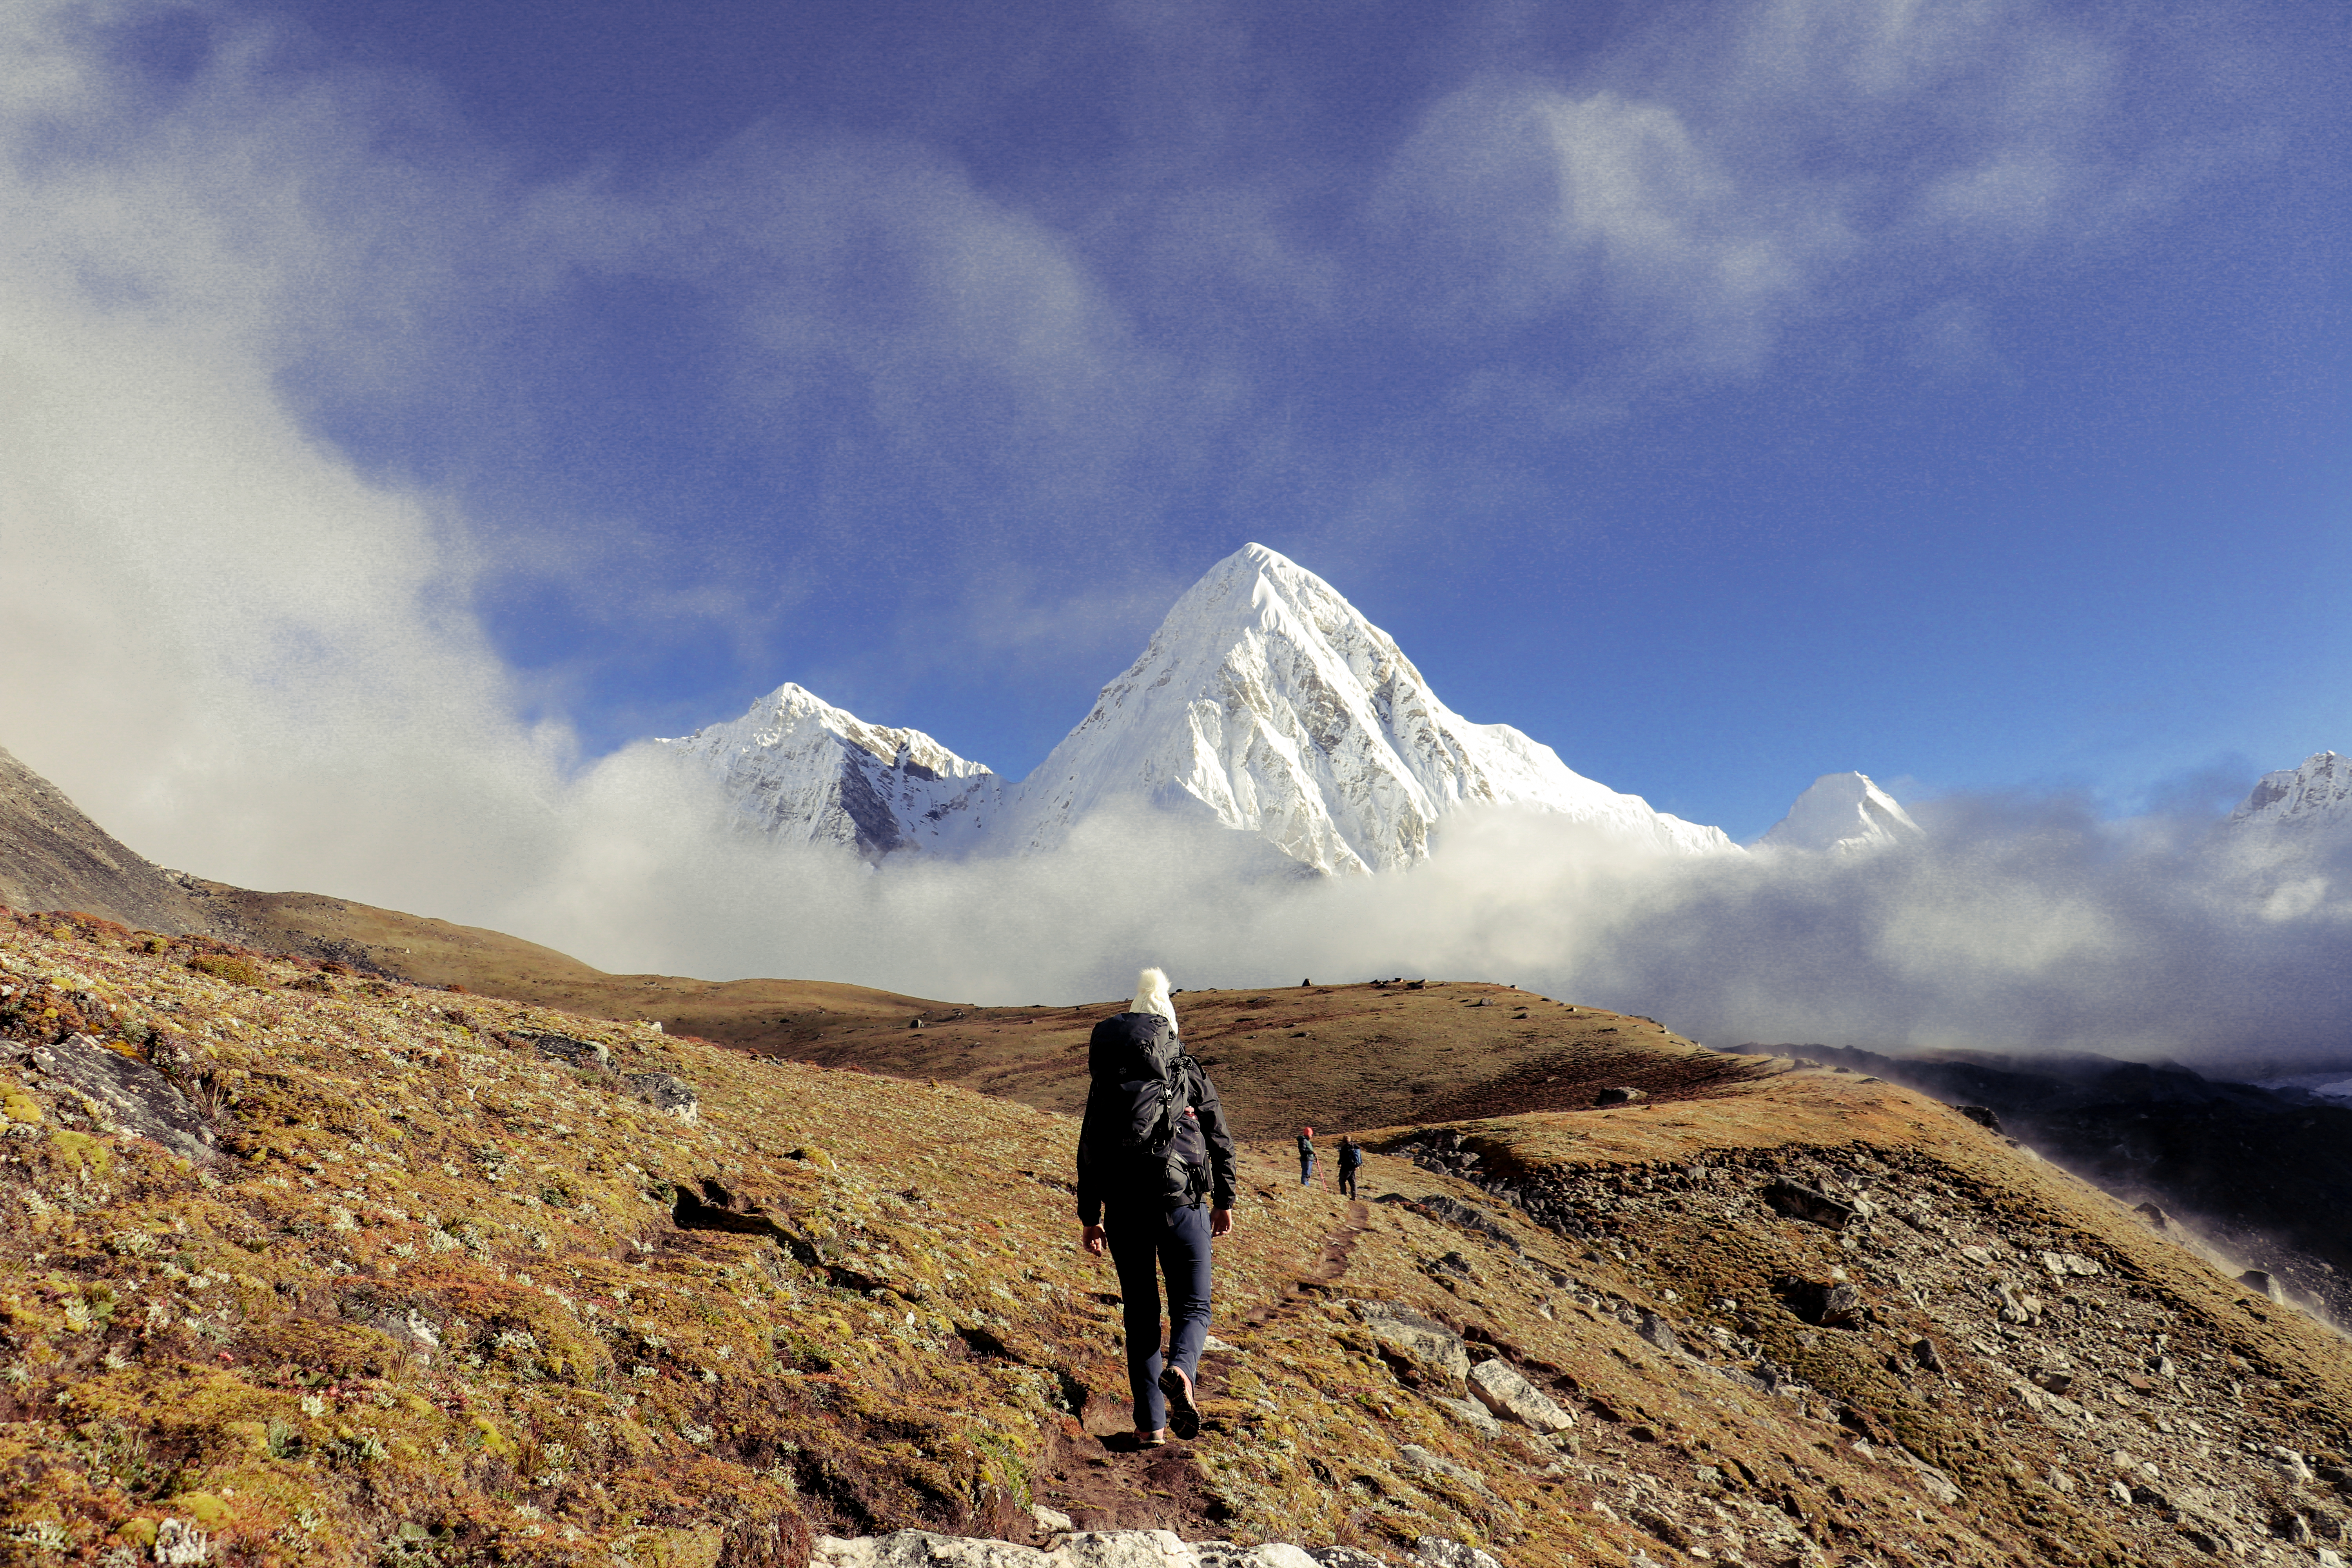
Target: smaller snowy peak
1843, 813
2315, 797
797, 768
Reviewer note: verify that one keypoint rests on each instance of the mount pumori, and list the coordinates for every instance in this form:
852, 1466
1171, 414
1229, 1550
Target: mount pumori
1264, 703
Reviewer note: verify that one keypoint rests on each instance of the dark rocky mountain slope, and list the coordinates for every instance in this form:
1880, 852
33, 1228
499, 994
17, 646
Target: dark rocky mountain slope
2262, 1178
54, 858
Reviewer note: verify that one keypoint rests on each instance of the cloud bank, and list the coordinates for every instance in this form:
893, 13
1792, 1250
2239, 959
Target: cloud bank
2017, 925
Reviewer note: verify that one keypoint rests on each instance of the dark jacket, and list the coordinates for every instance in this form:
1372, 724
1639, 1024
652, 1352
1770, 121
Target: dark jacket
1203, 1139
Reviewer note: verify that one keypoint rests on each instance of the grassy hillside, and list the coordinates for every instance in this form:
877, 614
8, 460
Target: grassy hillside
1326, 1055
433, 1301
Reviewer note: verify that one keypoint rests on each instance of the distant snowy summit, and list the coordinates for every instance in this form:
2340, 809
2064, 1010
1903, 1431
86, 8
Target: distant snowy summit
2313, 799
1264, 703
1842, 814
798, 769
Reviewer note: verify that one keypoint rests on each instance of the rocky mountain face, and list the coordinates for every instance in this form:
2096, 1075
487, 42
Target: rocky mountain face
2255, 1175
798, 769
1264, 704
1842, 814
2315, 799
430, 1277
54, 858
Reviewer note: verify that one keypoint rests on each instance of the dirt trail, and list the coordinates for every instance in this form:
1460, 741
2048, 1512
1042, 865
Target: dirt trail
1329, 1265
1094, 1472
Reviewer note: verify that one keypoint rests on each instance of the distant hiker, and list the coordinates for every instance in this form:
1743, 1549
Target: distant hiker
1351, 1160
1305, 1155
1155, 1182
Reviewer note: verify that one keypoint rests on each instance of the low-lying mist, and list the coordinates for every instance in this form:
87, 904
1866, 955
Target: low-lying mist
2017, 925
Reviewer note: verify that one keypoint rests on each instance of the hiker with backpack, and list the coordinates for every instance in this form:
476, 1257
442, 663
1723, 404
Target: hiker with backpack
1305, 1155
1351, 1160
1155, 1184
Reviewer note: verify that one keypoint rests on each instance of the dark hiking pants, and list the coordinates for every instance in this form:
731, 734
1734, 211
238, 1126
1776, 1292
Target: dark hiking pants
1347, 1181
1147, 1244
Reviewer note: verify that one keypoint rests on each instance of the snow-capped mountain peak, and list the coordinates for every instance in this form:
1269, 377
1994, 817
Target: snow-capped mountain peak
797, 768
2314, 797
1842, 812
1268, 703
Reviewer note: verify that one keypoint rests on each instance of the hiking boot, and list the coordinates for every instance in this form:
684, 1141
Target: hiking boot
1183, 1416
1152, 1439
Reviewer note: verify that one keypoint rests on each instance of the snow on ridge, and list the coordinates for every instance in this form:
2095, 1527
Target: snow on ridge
1842, 814
1264, 703
2317, 795
796, 768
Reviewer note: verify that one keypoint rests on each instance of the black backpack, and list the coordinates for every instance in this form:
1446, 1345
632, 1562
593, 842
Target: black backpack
1143, 1086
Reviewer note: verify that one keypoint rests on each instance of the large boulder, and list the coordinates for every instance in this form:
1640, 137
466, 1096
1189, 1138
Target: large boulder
1407, 1336
1073, 1548
128, 1095
670, 1095
1503, 1391
1803, 1203
921, 1549
1437, 1552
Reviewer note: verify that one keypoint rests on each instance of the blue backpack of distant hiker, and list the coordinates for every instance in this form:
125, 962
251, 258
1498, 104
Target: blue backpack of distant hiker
1142, 1093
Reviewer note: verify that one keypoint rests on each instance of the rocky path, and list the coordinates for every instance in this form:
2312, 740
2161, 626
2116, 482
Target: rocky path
1328, 1267
1102, 1481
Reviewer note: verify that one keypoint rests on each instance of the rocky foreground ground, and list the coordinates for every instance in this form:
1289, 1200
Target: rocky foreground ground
304, 1266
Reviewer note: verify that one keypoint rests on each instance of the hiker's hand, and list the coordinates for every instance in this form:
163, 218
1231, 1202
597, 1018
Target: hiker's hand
1221, 1222
1095, 1239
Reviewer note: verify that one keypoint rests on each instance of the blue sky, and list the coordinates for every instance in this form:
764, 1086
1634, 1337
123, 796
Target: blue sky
1723, 394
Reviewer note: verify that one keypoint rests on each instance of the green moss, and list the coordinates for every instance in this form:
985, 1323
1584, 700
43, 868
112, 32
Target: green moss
91, 1154
236, 971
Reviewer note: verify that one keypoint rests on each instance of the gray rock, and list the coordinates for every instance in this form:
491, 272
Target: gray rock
670, 1096
579, 1053
921, 1549
1659, 1333
1454, 1211
2260, 1282
1437, 1552
1407, 1334
1470, 1413
1622, 1094
132, 1095
1507, 1394
1052, 1520
1825, 1303
1073, 1548
1800, 1202
1230, 1555
1414, 1459
1124, 1549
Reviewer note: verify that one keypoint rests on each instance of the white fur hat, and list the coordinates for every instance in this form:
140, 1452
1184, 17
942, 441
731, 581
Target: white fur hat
1151, 997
